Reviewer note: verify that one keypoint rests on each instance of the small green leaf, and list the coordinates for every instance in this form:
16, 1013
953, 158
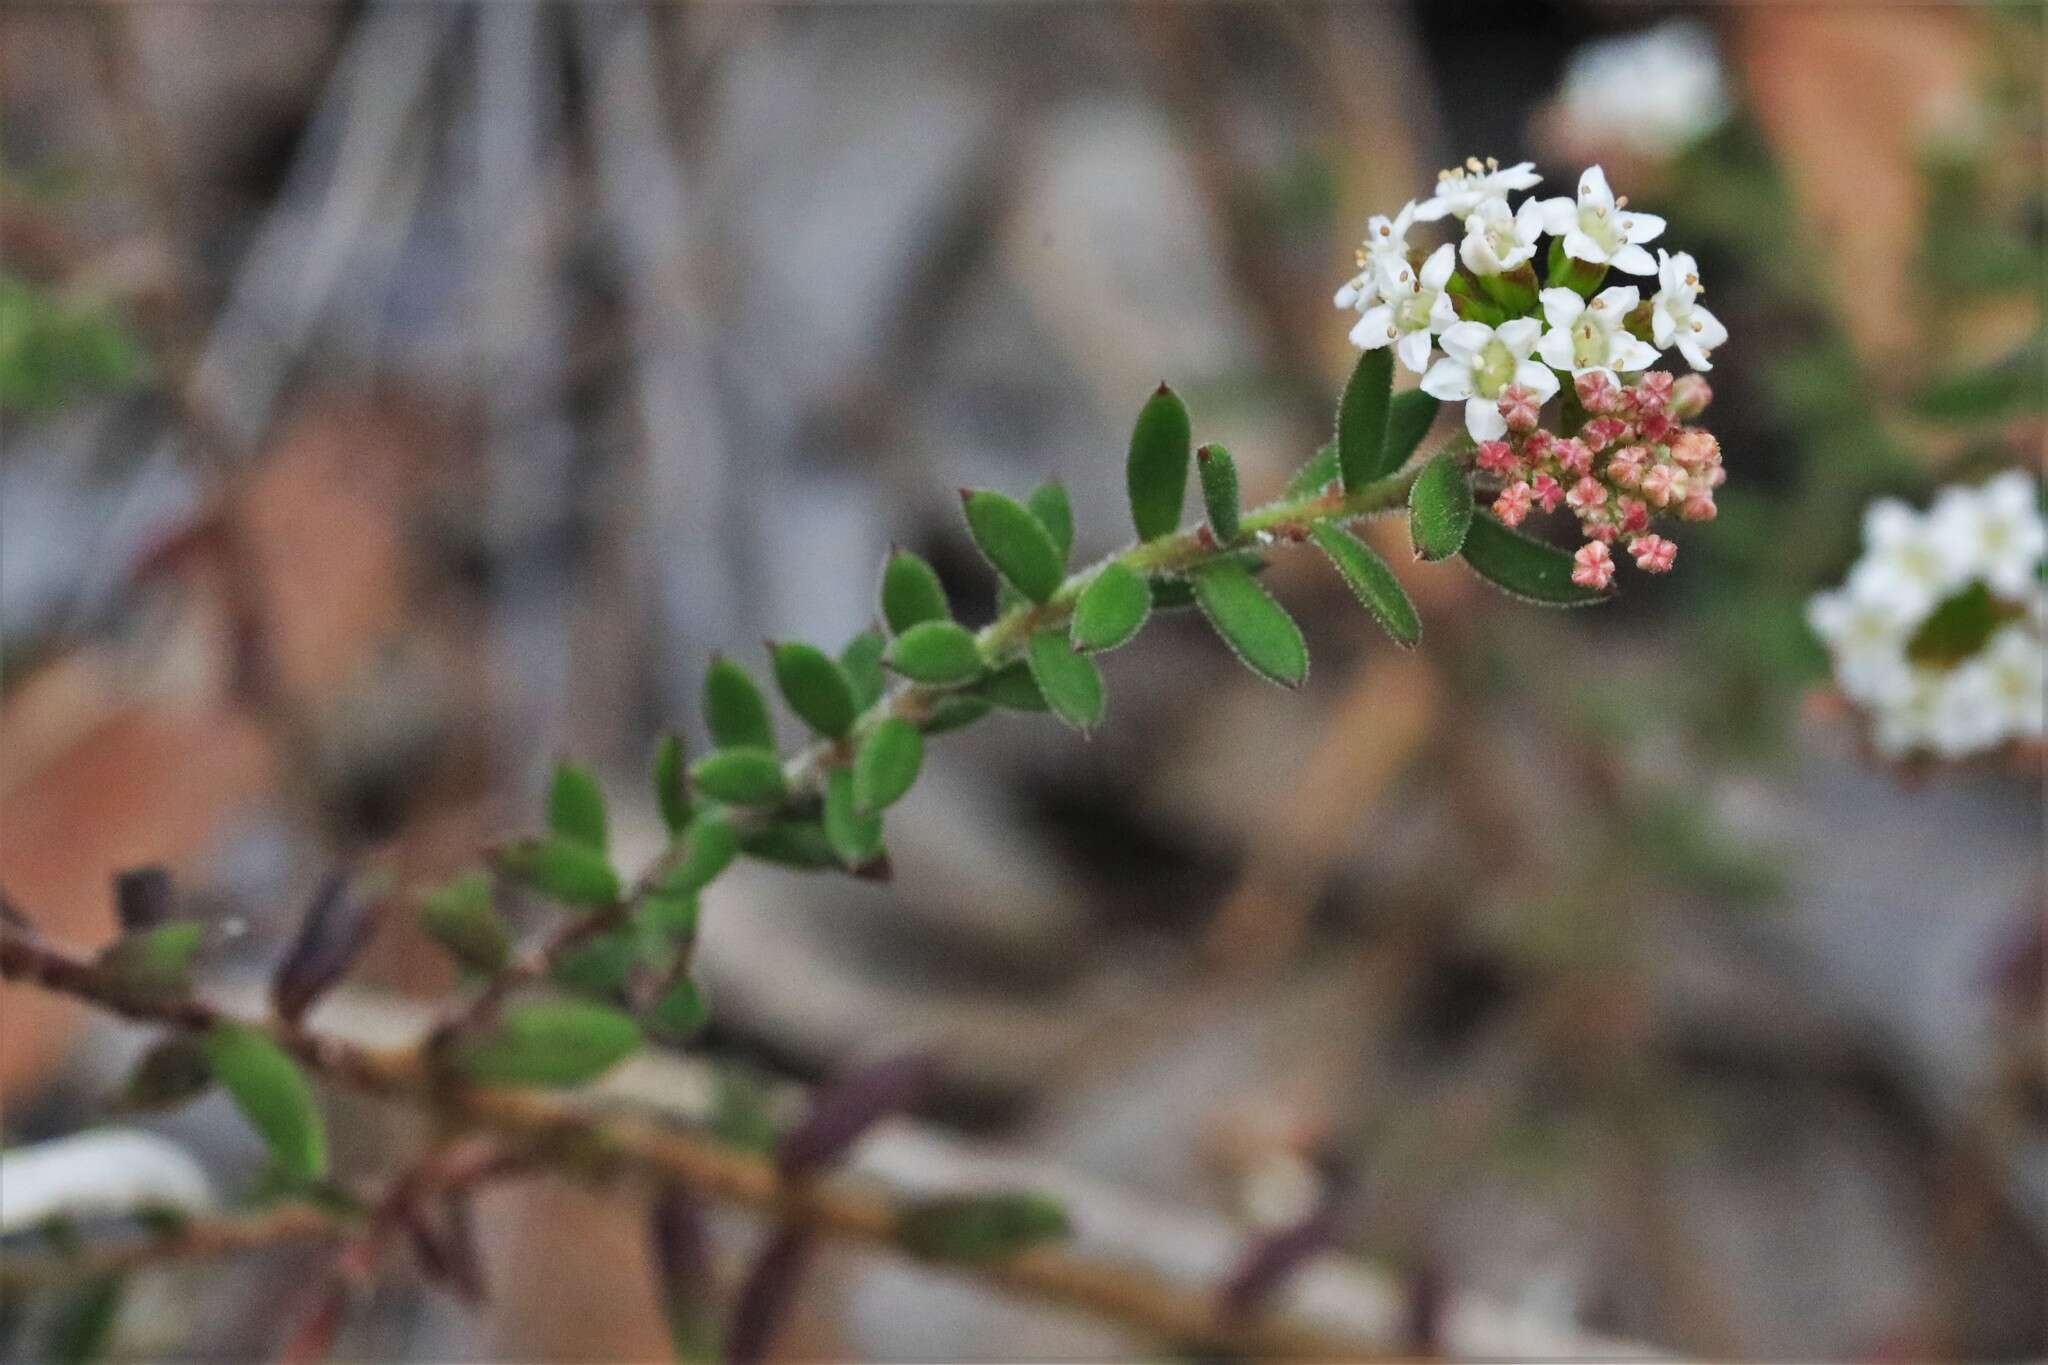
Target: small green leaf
980, 1229
886, 764
1371, 580
601, 967
1014, 541
273, 1094
1257, 629
82, 1325
1048, 502
1522, 567
1111, 609
734, 709
1011, 687
671, 785
954, 713
1439, 509
156, 963
1958, 627
1219, 491
1319, 473
461, 918
1170, 592
670, 914
862, 660
570, 872
576, 807
1409, 416
681, 1013
911, 593
176, 1069
936, 652
1070, 682
791, 843
855, 836
745, 777
551, 1043
709, 846
1157, 472
816, 688
1362, 420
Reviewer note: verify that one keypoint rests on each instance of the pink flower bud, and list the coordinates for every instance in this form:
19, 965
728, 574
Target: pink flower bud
1513, 504
1519, 407
1654, 554
1625, 467
1537, 445
1690, 396
1603, 432
1573, 457
1496, 457
1587, 492
1632, 514
1596, 394
1699, 506
1693, 448
1664, 484
1548, 491
1653, 393
1598, 526
1655, 427
1593, 566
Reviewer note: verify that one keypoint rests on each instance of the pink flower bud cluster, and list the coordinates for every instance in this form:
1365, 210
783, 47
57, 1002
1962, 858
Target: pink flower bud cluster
1633, 459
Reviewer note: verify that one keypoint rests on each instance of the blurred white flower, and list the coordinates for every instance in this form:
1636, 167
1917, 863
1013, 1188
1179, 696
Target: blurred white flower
1867, 637
1590, 337
104, 1171
1995, 530
1462, 189
1479, 365
1497, 239
1410, 309
1600, 229
1908, 559
1675, 314
1386, 239
1655, 92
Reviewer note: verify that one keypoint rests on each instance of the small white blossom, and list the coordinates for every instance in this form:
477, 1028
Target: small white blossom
1480, 363
1590, 337
1386, 239
1996, 530
1675, 315
1410, 310
1497, 240
1907, 558
1656, 92
1867, 636
2013, 658
1464, 188
1601, 230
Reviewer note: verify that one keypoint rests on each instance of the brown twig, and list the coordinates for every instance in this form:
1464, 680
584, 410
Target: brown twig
194, 1239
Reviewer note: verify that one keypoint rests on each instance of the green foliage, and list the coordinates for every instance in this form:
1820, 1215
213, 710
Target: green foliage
816, 688
1219, 491
1318, 473
744, 777
1409, 416
799, 844
1048, 502
1111, 609
911, 593
1156, 473
1959, 625
1522, 567
155, 964
576, 807
51, 351
1257, 629
1070, 683
461, 918
855, 835
709, 846
273, 1095
886, 764
1439, 509
1362, 420
571, 872
936, 652
734, 709
174, 1070
980, 1229
82, 1327
552, 1043
955, 713
1011, 687
1014, 542
671, 783
681, 1013
862, 660
1371, 581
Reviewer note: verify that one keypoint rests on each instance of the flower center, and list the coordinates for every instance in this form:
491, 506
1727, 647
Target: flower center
1495, 370
1589, 344
1598, 223
1413, 313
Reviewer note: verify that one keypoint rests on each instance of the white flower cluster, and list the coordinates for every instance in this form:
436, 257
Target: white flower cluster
1655, 92
1938, 630
1482, 302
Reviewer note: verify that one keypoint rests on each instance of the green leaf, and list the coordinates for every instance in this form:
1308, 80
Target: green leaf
670, 914
734, 709
1170, 592
273, 1094
174, 1070
954, 713
886, 764
461, 918
1257, 629
1319, 473
980, 1229
671, 787
681, 1013
1011, 687
551, 1043
1014, 541
1439, 509
570, 872
1409, 417
156, 963
911, 593
1157, 472
745, 777
1371, 580
1522, 567
1958, 627
1362, 420
1219, 491
1070, 682
791, 843
937, 652
1111, 609
576, 807
816, 688
601, 967
1048, 502
709, 846
862, 660
855, 836
82, 1325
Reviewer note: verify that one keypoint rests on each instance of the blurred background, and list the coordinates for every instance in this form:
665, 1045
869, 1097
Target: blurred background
398, 396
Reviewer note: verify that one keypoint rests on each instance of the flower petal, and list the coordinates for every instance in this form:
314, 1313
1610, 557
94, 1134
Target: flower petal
1413, 349
1634, 260
1538, 379
1483, 419
1448, 379
1561, 307
1437, 269
1580, 247
1375, 329
1642, 227
1464, 339
1519, 335
1593, 188
1556, 349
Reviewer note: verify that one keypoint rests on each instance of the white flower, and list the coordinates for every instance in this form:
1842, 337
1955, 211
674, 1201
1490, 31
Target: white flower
1590, 338
1656, 92
1676, 317
1996, 530
1386, 239
1907, 560
1464, 188
1497, 240
1907, 725
1409, 311
1480, 362
1601, 230
1965, 715
1867, 638
2013, 660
